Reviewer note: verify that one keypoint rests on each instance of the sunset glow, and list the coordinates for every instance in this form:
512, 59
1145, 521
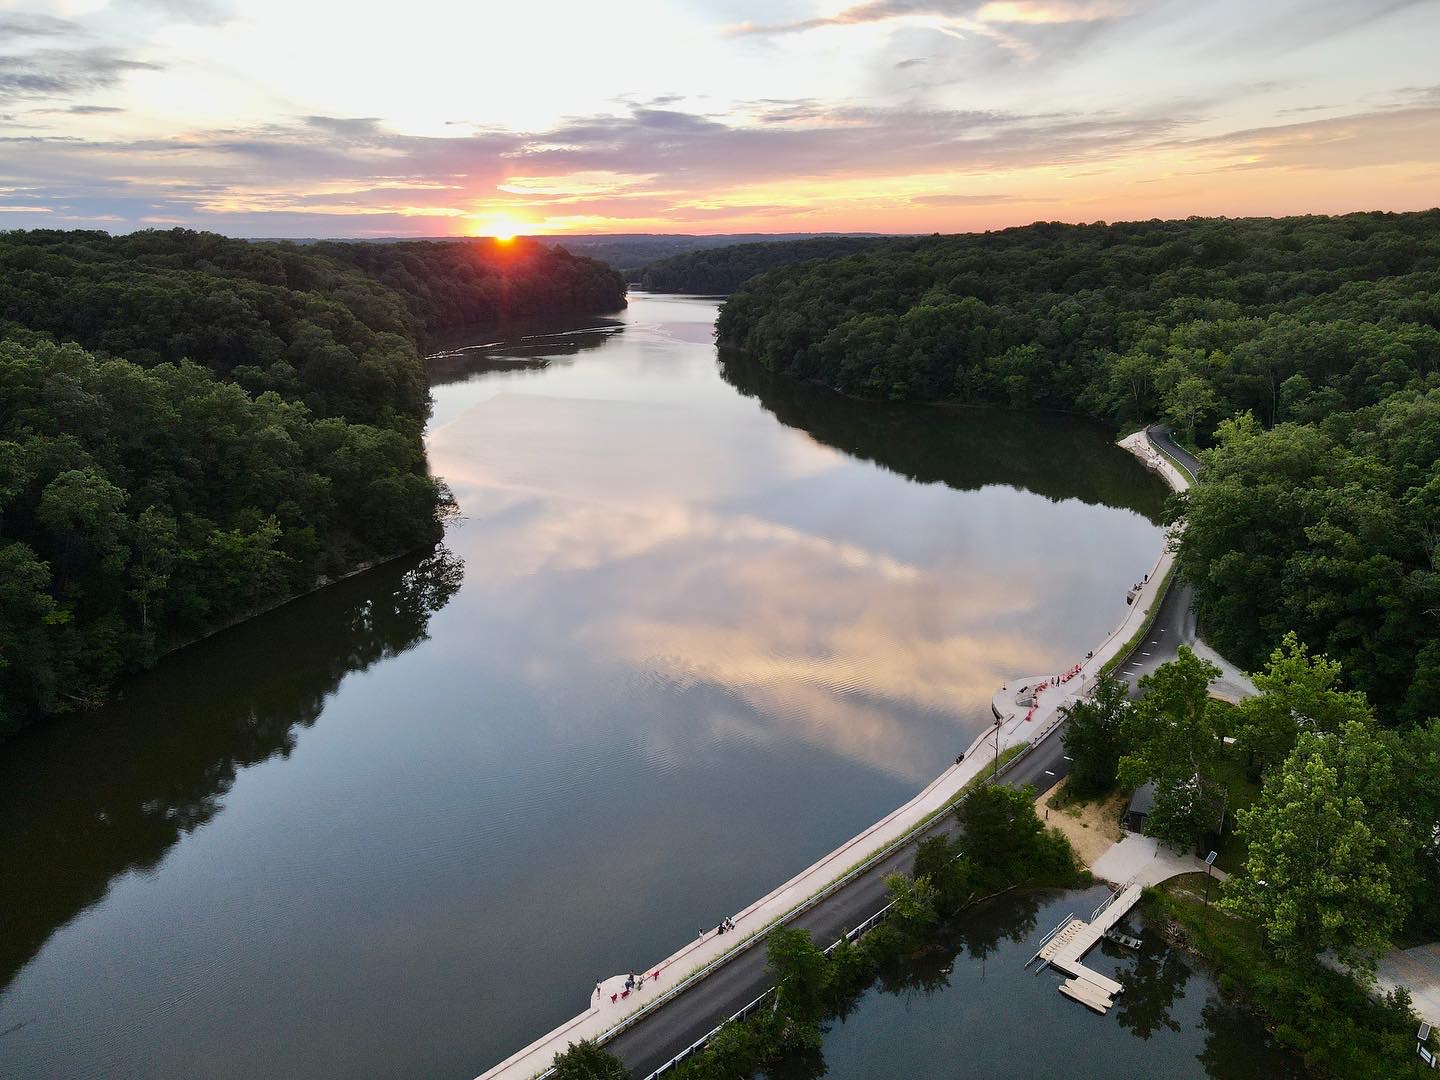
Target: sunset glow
709, 115
502, 228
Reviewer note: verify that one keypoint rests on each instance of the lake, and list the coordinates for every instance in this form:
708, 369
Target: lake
974, 1000
692, 627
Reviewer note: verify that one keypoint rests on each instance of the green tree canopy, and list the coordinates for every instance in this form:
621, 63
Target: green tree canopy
1330, 849
1298, 692
1171, 741
1092, 736
586, 1060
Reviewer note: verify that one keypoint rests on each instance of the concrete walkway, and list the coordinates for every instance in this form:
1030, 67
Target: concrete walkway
1418, 970
1142, 859
602, 1018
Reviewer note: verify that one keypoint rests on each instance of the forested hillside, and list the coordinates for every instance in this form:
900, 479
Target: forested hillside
193, 428
449, 283
1322, 335
724, 269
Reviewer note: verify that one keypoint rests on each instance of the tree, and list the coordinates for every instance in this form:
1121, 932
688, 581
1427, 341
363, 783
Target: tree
1172, 742
995, 825
1298, 692
802, 973
1132, 376
938, 860
587, 1061
1191, 398
249, 427
1235, 430
1417, 765
1092, 737
913, 913
1329, 850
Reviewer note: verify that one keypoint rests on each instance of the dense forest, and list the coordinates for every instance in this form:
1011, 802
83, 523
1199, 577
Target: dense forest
1303, 352
193, 428
449, 283
631, 253
714, 271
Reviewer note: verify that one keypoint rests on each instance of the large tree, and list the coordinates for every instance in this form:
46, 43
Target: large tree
1330, 849
587, 1061
1172, 741
1092, 737
1298, 692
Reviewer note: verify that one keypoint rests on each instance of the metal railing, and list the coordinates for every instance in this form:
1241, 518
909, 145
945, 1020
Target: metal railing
1105, 904
1061, 925
749, 1010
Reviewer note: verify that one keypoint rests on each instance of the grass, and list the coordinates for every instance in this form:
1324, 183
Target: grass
1136, 638
1240, 792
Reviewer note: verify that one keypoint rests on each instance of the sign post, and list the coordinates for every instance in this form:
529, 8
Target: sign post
1209, 862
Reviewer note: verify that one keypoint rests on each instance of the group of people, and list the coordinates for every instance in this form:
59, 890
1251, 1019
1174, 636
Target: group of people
725, 924
1057, 680
633, 983
1135, 589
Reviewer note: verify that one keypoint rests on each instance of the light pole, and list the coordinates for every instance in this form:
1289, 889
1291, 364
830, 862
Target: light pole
996, 769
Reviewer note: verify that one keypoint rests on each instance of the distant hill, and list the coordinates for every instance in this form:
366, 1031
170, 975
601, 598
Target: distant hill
725, 269
629, 253
632, 253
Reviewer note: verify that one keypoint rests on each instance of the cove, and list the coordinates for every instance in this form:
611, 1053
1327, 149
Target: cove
693, 627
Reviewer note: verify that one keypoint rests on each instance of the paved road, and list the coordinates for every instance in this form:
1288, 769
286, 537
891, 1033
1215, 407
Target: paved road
1160, 436
664, 1033
1174, 626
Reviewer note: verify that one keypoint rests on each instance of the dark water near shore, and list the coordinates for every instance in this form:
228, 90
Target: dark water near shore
693, 628
972, 1008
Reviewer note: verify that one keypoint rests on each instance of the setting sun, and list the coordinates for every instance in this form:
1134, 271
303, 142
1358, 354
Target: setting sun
501, 227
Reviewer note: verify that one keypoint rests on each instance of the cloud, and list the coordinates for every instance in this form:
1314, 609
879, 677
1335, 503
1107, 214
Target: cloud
1307, 22
15, 25
1359, 140
963, 200
61, 73
767, 159
994, 19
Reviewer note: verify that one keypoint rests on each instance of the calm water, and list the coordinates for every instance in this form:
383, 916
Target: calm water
972, 1001
693, 629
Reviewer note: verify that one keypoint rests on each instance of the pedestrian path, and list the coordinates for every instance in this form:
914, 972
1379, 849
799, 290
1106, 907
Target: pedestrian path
604, 1018
1145, 860
1418, 971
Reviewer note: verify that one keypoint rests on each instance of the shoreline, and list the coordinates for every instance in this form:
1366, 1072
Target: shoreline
693, 961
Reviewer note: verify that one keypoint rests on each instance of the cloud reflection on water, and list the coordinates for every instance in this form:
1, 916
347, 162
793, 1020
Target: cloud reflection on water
662, 572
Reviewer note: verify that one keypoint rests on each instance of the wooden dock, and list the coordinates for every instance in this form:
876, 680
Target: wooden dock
1067, 945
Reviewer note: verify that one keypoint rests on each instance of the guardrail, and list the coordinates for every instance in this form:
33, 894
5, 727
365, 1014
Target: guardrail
1191, 474
852, 934
750, 1009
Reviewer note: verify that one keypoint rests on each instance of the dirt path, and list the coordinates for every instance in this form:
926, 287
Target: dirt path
1091, 827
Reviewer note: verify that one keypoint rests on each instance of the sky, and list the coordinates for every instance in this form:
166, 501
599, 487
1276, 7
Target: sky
306, 118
